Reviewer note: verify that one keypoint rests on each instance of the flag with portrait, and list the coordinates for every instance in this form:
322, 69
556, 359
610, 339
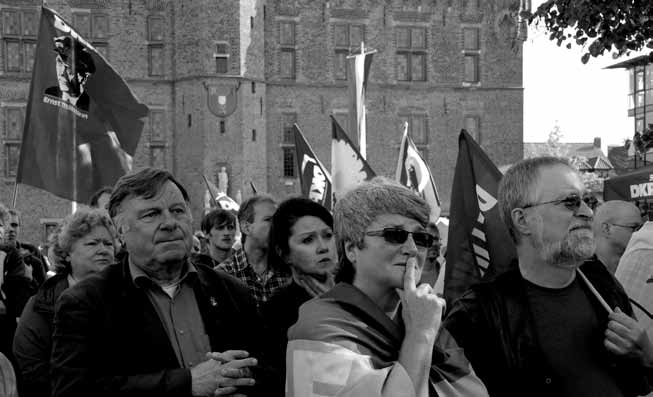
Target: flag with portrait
82, 123
313, 176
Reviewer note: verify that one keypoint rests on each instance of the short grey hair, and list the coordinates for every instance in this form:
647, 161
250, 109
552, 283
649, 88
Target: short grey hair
518, 185
145, 183
76, 226
359, 207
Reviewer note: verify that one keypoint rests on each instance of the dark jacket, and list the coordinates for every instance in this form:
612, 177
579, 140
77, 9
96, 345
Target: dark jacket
494, 325
109, 341
280, 313
33, 339
33, 257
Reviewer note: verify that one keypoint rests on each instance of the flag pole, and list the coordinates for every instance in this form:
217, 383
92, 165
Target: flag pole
13, 202
596, 293
73, 206
208, 187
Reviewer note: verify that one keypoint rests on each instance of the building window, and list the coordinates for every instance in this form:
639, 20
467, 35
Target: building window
472, 55
411, 53
639, 125
155, 56
49, 226
19, 29
287, 63
221, 56
158, 156
473, 127
94, 27
347, 37
14, 116
155, 129
288, 144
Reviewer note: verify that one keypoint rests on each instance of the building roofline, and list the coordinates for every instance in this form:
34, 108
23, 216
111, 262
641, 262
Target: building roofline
629, 63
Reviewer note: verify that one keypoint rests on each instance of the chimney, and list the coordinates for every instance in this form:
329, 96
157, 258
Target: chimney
597, 142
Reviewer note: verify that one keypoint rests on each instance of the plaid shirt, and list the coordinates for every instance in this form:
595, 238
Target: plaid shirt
262, 288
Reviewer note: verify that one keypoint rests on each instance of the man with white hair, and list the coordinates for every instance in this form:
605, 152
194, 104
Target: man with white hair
540, 329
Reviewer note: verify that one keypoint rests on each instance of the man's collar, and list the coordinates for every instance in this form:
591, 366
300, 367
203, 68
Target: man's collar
138, 275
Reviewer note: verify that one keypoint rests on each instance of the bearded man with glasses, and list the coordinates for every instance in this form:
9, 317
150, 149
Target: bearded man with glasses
541, 329
377, 332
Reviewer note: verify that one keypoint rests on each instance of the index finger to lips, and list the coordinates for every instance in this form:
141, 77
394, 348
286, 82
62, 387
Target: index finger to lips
409, 275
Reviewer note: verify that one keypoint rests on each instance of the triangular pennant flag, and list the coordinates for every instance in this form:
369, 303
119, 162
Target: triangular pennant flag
414, 173
479, 245
313, 176
82, 123
348, 168
359, 70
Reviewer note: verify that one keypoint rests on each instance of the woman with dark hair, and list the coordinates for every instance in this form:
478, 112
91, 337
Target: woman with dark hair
85, 245
301, 241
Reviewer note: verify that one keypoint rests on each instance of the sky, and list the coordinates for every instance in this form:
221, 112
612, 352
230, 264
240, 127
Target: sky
586, 101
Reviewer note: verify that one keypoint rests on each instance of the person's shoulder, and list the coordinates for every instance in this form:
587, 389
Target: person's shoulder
97, 286
219, 278
203, 259
317, 320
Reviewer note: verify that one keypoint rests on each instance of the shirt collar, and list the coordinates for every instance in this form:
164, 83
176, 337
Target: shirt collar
138, 276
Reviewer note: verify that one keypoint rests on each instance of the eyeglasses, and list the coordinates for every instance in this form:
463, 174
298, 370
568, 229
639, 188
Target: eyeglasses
633, 227
395, 235
571, 202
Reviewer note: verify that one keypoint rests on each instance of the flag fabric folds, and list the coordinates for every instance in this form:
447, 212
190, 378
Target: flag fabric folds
82, 123
313, 176
479, 244
344, 345
348, 168
359, 71
414, 173
213, 198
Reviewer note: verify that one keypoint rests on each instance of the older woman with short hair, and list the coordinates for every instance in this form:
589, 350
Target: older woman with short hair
85, 245
366, 336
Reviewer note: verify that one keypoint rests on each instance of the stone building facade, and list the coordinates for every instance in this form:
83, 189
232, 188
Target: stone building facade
440, 65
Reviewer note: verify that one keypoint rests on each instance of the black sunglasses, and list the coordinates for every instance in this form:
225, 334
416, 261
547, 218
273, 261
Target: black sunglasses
633, 227
395, 235
571, 202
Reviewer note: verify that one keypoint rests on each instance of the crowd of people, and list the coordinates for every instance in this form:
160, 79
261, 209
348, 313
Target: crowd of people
288, 298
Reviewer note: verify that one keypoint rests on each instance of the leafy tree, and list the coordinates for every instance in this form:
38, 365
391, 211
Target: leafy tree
555, 147
621, 26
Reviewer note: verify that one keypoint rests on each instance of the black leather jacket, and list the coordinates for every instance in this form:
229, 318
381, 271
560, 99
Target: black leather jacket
494, 325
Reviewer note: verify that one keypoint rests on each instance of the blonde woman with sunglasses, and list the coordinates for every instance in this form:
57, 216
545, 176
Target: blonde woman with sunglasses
377, 332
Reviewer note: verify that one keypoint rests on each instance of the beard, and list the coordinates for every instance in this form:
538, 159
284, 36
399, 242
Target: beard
573, 249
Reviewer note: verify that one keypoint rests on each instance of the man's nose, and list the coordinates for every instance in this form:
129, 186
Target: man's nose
584, 211
168, 221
